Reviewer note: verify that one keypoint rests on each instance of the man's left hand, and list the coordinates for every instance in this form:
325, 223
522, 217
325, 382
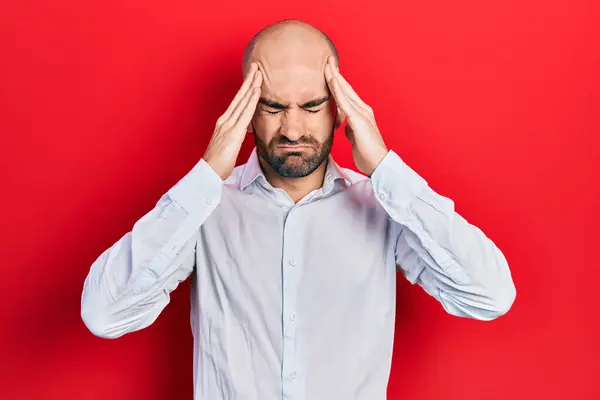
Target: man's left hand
368, 148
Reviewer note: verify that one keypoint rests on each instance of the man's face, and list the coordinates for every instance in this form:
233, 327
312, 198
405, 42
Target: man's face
295, 118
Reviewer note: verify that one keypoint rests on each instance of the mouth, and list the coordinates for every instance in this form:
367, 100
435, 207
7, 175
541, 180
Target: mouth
293, 147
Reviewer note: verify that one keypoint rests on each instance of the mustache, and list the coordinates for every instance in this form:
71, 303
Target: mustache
300, 141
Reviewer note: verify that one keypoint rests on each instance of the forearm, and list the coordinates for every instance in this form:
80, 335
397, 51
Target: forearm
129, 284
437, 248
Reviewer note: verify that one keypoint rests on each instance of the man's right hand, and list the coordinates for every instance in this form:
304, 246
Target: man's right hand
226, 142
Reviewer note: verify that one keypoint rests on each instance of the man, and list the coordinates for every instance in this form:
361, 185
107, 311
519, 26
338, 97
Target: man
293, 259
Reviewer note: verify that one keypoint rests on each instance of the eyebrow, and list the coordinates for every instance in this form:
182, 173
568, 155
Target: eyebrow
279, 106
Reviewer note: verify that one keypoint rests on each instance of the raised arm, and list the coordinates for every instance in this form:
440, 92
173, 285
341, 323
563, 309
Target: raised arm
129, 284
453, 260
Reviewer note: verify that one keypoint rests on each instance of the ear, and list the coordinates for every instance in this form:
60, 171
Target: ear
339, 118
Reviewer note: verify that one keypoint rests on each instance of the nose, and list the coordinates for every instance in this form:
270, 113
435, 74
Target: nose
292, 125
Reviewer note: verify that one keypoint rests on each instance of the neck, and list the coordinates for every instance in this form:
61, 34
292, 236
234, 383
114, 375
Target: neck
296, 188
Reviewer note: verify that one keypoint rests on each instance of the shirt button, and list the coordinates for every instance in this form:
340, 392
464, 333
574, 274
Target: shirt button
293, 317
382, 196
208, 201
292, 262
293, 375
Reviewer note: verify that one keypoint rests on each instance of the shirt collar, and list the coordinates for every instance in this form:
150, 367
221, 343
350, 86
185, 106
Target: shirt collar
253, 171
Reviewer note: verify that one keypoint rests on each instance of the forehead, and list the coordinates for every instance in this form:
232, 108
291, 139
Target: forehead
294, 85
293, 77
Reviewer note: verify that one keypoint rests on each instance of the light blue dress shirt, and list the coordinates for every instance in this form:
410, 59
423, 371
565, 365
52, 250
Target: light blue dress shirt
295, 301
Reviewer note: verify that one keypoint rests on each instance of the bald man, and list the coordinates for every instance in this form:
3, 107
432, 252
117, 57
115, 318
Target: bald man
292, 258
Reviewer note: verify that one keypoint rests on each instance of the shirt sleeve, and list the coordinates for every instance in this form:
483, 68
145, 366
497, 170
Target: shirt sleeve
129, 284
451, 259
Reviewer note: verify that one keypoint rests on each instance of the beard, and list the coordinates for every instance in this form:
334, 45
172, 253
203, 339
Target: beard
294, 164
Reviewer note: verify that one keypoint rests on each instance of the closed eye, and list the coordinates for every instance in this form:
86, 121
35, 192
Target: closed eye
277, 112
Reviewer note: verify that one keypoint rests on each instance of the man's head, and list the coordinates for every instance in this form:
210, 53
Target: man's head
295, 118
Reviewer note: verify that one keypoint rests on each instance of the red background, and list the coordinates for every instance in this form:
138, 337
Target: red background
106, 104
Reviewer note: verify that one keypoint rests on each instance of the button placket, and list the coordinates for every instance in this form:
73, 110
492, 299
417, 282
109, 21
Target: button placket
290, 287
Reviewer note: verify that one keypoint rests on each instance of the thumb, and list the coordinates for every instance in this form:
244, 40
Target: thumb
339, 117
349, 133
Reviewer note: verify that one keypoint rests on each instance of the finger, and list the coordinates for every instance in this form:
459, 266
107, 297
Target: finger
248, 112
242, 103
339, 96
365, 112
357, 104
347, 88
250, 78
243, 107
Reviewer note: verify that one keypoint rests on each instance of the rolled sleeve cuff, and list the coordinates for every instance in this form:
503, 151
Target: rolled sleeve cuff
199, 190
396, 184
